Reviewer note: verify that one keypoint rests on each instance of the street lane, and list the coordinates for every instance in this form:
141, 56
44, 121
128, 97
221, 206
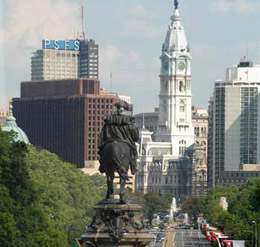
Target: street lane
190, 238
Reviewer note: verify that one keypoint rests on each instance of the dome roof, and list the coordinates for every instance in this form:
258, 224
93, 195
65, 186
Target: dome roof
176, 40
10, 125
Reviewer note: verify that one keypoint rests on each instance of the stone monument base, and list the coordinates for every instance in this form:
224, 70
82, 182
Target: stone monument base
116, 224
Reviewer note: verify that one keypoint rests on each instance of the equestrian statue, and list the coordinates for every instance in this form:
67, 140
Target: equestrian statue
117, 148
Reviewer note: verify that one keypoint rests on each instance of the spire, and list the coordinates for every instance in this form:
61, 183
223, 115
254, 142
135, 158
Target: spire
10, 120
143, 120
175, 40
176, 15
11, 107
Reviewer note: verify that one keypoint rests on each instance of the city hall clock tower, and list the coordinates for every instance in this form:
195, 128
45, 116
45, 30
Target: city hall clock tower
175, 117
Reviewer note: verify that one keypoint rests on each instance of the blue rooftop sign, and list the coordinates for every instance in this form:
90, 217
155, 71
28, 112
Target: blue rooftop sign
72, 45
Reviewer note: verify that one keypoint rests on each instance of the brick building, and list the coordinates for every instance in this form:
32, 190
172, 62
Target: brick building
64, 117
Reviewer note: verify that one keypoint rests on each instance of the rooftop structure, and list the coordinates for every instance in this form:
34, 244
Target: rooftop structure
11, 126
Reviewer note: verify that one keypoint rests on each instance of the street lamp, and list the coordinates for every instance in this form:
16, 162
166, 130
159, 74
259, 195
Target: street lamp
254, 223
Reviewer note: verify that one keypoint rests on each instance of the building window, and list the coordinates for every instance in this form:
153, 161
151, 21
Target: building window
203, 131
182, 106
196, 131
181, 86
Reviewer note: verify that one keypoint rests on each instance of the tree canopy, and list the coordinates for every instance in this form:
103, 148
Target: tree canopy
243, 208
44, 201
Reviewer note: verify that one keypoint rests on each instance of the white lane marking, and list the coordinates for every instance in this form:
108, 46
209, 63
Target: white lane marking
199, 235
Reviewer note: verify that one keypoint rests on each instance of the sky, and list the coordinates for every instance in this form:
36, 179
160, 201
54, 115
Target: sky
130, 36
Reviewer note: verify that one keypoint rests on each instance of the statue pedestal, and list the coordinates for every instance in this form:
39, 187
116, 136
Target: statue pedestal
116, 225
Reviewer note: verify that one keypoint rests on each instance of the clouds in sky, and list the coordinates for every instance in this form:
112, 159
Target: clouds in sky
25, 24
237, 6
130, 36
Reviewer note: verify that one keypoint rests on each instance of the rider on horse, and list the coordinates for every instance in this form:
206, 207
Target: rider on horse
119, 128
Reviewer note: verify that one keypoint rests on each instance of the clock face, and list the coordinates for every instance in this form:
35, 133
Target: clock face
182, 65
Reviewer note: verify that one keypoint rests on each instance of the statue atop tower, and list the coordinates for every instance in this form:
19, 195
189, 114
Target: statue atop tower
176, 4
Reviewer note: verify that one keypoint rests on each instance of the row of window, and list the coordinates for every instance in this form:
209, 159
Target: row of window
100, 100
157, 180
99, 112
99, 107
93, 158
65, 55
202, 131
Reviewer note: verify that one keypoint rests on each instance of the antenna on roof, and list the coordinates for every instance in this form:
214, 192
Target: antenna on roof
81, 35
111, 81
143, 120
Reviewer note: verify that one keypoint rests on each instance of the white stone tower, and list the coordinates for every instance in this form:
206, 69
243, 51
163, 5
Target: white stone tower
175, 120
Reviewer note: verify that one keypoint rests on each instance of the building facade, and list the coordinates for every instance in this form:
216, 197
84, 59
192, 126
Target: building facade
3, 116
64, 117
235, 120
167, 149
210, 144
61, 59
198, 171
149, 120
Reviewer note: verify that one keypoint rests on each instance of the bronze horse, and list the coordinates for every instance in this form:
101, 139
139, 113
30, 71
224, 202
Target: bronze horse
116, 158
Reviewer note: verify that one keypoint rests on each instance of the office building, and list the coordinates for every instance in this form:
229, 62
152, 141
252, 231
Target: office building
64, 117
210, 144
65, 59
235, 120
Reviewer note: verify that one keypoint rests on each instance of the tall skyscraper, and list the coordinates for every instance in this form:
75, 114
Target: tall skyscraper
235, 121
65, 59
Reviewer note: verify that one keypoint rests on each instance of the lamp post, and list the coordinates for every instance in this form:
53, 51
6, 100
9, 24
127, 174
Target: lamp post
255, 228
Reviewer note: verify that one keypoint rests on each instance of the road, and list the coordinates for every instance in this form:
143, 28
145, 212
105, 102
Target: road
183, 238
190, 238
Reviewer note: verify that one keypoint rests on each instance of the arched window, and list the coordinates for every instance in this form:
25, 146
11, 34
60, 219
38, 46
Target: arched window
182, 106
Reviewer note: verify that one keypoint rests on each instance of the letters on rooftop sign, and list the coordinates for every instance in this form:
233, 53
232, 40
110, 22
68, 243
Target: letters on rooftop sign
72, 45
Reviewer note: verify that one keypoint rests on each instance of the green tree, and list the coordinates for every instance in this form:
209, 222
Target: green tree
154, 203
67, 195
193, 206
23, 222
244, 203
43, 200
